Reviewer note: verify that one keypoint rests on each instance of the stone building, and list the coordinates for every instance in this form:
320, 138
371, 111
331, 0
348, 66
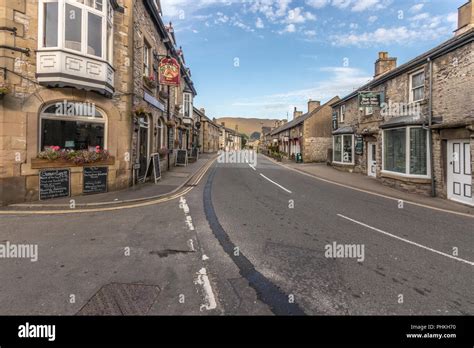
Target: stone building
63, 87
208, 132
308, 134
229, 139
421, 136
78, 79
162, 115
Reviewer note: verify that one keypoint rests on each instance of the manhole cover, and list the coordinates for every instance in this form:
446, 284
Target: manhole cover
121, 299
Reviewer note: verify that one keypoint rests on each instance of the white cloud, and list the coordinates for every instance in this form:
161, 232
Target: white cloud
341, 4
178, 8
363, 5
310, 33
290, 28
317, 3
259, 23
417, 8
389, 36
341, 81
297, 15
271, 9
420, 17
373, 19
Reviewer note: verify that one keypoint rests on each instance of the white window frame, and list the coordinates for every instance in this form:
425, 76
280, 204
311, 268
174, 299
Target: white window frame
368, 110
342, 113
105, 14
342, 149
407, 155
146, 59
188, 99
411, 88
88, 119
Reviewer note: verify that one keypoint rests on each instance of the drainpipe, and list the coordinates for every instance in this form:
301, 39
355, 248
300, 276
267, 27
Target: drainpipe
430, 123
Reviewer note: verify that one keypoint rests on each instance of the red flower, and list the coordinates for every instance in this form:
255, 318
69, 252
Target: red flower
97, 149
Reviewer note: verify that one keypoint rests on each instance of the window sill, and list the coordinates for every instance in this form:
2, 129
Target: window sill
37, 163
342, 163
405, 177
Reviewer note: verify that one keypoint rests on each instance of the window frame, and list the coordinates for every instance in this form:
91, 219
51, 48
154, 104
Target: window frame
342, 113
189, 102
407, 154
147, 64
107, 22
85, 119
412, 89
342, 149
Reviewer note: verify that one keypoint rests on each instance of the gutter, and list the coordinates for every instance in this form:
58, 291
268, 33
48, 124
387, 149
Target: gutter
430, 124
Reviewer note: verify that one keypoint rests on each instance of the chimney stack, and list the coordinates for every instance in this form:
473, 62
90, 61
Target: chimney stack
465, 18
203, 111
297, 114
313, 105
384, 64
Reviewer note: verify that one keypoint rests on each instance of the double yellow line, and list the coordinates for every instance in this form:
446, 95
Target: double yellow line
176, 195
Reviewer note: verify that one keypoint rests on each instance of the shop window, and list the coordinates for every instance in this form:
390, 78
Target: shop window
405, 151
343, 149
72, 126
84, 26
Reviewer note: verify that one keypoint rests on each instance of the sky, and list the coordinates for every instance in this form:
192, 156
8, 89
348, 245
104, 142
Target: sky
262, 58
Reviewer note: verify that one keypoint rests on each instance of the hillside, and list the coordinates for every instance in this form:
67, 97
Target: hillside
246, 125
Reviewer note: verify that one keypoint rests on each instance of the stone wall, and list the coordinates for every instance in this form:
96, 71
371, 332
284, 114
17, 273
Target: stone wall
315, 149
20, 109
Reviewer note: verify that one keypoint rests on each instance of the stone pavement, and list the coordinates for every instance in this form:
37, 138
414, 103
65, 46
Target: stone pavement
364, 182
170, 182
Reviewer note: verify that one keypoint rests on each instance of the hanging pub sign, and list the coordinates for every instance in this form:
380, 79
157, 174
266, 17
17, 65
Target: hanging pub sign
169, 72
370, 99
359, 145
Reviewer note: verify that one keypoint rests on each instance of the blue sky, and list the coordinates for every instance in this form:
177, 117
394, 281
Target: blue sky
260, 58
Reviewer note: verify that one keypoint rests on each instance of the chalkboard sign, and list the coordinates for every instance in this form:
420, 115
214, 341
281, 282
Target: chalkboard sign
95, 179
154, 166
359, 145
54, 183
182, 158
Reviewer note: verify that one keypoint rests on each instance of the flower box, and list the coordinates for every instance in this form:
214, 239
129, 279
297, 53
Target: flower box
37, 163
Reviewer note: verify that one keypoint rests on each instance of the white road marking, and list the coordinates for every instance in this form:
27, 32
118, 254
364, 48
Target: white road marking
203, 280
205, 257
372, 193
273, 182
251, 166
407, 241
191, 245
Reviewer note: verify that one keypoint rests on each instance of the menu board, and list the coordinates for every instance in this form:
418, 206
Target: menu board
182, 158
54, 183
359, 145
95, 179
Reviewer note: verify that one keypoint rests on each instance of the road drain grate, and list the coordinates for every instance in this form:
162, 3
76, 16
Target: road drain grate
168, 252
121, 299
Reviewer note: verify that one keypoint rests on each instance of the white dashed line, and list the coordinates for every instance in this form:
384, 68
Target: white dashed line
407, 241
251, 166
203, 280
273, 182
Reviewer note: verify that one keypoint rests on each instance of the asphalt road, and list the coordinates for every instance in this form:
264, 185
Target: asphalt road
244, 241
282, 222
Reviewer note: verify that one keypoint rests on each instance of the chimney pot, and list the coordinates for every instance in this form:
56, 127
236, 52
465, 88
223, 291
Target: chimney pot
384, 64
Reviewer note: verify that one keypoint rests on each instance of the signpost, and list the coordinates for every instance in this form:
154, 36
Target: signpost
359, 145
370, 99
95, 179
54, 183
182, 158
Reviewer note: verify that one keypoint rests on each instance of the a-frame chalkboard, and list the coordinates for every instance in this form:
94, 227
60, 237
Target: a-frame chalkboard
154, 165
181, 158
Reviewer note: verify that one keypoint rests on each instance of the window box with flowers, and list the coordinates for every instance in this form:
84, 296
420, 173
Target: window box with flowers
4, 91
163, 152
55, 157
170, 123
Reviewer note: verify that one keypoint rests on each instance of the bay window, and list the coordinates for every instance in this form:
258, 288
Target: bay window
83, 26
405, 151
343, 149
